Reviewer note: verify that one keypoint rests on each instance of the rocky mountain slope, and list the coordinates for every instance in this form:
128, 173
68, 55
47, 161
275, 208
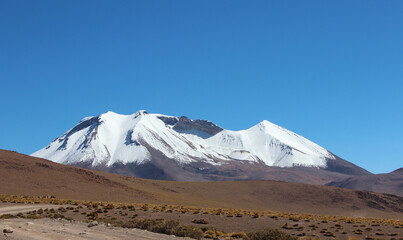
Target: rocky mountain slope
391, 183
164, 147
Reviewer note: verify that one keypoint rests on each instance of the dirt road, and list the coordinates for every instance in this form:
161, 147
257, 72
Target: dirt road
62, 229
14, 209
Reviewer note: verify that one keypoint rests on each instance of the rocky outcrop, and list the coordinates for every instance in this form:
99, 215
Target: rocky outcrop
185, 124
169, 120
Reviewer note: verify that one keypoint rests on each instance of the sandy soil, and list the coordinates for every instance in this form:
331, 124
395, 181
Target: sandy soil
33, 229
63, 229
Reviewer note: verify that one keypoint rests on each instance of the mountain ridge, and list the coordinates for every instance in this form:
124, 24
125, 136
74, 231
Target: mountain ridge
391, 183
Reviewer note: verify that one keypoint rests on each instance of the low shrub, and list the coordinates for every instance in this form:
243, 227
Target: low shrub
109, 206
238, 235
62, 209
272, 234
256, 215
145, 207
57, 215
200, 221
7, 216
188, 231
33, 216
169, 227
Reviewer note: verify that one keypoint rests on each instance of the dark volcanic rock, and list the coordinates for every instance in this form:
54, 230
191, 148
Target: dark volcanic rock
7, 230
168, 120
185, 124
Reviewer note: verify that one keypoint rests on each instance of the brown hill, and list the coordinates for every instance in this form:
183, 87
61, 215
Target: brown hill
391, 183
24, 175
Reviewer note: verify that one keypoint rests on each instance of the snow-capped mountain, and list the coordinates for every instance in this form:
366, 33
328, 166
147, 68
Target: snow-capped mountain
145, 144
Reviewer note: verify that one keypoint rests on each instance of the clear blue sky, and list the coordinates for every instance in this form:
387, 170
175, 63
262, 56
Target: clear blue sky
331, 71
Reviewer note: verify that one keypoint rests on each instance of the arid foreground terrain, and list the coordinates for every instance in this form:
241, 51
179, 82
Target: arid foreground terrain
63, 229
195, 209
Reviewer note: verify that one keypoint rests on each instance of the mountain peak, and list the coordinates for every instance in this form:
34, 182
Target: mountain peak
269, 124
109, 113
142, 112
265, 123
